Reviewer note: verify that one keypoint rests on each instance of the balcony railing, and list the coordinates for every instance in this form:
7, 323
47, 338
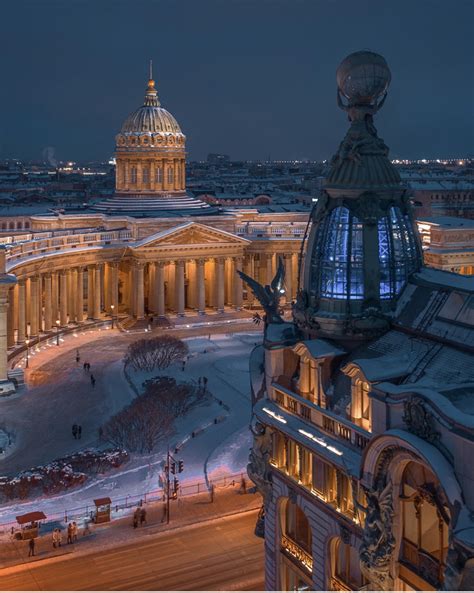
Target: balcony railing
422, 563
327, 421
292, 549
54, 244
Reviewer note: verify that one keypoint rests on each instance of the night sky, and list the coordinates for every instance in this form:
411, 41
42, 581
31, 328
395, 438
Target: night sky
251, 78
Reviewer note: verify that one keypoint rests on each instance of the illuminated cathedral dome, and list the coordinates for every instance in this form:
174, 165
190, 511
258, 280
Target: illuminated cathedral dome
151, 118
150, 174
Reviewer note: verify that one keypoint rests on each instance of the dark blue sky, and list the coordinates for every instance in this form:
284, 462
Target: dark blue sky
252, 78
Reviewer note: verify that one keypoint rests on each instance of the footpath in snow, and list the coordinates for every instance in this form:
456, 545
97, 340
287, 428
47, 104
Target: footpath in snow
221, 448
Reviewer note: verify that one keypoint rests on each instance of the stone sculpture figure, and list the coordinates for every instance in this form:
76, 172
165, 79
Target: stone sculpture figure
378, 541
259, 459
269, 295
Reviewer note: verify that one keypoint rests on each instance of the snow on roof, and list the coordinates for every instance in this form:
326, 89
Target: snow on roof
322, 348
445, 279
451, 222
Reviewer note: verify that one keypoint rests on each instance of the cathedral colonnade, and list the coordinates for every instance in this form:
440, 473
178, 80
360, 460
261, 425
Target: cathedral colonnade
43, 301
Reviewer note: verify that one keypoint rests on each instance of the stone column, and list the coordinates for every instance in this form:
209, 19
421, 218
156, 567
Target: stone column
48, 305
40, 303
80, 295
90, 292
54, 298
151, 287
179, 287
97, 291
21, 311
160, 288
229, 281
106, 285
269, 275
237, 284
114, 291
170, 295
200, 287
220, 291
139, 290
63, 298
6, 282
34, 317
289, 277
11, 318
71, 289
295, 273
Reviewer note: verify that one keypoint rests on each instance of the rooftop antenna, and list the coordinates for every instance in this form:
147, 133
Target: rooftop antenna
151, 69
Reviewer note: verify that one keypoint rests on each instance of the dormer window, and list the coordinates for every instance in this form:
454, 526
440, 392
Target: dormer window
361, 403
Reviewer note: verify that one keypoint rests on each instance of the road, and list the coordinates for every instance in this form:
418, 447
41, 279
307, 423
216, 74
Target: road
220, 555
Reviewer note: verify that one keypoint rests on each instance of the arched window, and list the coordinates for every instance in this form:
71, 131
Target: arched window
425, 520
296, 526
146, 175
361, 405
170, 175
27, 225
346, 566
133, 174
19, 225
11, 226
158, 174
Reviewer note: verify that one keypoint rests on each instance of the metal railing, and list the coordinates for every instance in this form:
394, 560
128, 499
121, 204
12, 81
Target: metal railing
132, 501
328, 421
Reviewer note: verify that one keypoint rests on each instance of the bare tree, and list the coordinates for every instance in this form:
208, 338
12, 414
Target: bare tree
159, 352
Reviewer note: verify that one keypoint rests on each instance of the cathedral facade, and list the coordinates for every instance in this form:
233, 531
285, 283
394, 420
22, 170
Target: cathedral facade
362, 417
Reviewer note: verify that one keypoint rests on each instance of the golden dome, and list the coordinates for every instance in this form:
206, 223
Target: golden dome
151, 117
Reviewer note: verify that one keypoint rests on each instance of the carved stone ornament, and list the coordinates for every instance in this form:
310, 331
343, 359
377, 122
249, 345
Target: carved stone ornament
368, 208
419, 420
258, 468
378, 542
345, 534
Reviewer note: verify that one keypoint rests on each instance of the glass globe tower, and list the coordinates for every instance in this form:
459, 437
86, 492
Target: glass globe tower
363, 245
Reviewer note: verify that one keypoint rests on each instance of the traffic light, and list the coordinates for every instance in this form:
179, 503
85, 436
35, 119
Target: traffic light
180, 466
173, 468
176, 485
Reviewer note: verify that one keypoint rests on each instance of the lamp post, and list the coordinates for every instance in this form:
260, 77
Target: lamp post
57, 331
112, 307
27, 342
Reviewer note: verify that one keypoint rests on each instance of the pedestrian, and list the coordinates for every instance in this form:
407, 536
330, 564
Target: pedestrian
74, 529
84, 366
151, 320
142, 516
204, 382
183, 364
79, 431
69, 533
78, 358
74, 431
92, 380
136, 518
243, 486
31, 547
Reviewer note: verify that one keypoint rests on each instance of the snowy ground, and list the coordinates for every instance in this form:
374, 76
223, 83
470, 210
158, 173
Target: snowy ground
42, 417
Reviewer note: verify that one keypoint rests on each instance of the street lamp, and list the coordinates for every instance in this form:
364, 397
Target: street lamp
57, 331
27, 342
112, 307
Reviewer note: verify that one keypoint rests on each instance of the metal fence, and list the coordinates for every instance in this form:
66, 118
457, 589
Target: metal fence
85, 513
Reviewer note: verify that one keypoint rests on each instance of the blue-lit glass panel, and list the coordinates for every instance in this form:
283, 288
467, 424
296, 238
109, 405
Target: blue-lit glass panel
335, 255
356, 278
386, 282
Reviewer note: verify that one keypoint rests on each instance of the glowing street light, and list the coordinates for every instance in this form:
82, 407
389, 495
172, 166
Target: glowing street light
112, 307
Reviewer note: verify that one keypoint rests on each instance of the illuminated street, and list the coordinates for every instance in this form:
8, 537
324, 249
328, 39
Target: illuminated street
176, 560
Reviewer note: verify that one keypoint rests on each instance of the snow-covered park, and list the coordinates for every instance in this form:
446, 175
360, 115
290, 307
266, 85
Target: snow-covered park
60, 393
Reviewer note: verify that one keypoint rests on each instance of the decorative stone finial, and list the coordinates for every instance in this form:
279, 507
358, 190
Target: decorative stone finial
151, 94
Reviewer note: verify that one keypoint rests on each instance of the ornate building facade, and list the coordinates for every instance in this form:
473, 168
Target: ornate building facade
362, 416
149, 249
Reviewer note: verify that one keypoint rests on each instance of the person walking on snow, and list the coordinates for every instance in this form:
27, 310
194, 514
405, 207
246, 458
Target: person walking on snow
69, 533
74, 529
79, 431
31, 547
92, 380
74, 431
78, 358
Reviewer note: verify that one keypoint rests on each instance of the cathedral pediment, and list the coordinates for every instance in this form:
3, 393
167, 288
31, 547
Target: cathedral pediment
189, 234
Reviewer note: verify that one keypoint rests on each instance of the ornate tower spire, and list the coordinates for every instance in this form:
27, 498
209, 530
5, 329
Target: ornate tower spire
151, 94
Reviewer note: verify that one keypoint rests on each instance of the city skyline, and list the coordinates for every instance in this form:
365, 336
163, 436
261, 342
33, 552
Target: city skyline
254, 80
